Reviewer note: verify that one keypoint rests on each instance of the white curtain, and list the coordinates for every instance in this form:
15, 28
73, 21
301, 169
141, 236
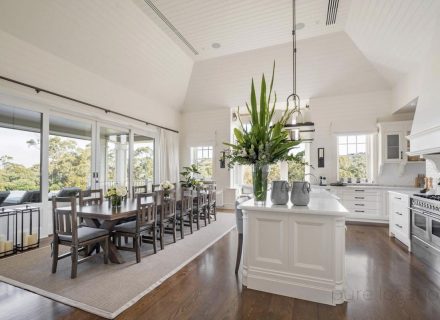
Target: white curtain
169, 156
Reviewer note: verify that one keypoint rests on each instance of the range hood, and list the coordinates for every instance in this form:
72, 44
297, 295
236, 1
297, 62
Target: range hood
425, 132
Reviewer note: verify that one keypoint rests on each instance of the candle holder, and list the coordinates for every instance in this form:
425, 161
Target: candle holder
8, 232
28, 228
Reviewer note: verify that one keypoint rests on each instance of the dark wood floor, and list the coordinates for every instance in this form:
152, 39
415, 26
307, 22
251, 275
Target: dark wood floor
383, 282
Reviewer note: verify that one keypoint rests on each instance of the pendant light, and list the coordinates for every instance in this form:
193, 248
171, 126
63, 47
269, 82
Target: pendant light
302, 130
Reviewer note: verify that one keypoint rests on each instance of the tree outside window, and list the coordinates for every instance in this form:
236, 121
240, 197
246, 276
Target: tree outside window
353, 157
202, 158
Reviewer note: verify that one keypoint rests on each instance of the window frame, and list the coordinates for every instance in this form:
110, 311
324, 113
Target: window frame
368, 152
195, 159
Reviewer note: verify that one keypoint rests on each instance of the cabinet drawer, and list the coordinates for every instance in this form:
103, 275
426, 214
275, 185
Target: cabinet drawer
400, 226
368, 197
363, 211
360, 204
360, 191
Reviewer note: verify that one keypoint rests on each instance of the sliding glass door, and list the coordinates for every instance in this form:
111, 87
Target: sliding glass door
113, 160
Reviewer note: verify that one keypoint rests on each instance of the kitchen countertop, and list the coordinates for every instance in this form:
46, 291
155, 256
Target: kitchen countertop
321, 203
371, 186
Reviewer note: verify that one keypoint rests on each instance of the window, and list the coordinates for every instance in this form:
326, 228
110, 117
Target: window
296, 171
20, 153
202, 157
353, 157
70, 149
143, 160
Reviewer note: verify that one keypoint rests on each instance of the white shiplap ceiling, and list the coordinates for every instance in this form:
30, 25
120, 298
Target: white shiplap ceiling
111, 38
242, 25
327, 65
393, 34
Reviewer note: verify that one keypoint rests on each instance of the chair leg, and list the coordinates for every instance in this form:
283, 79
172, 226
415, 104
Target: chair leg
106, 245
215, 212
191, 222
154, 239
74, 257
182, 225
198, 220
137, 248
239, 250
54, 255
174, 231
205, 215
161, 236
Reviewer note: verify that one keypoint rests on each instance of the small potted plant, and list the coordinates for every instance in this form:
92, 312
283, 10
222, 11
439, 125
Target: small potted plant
166, 186
115, 195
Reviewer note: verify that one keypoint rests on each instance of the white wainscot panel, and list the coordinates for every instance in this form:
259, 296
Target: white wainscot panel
315, 258
270, 237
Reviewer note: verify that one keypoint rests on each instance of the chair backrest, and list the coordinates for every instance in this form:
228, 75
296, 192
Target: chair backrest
239, 213
202, 197
186, 199
90, 197
167, 205
212, 193
139, 189
155, 187
146, 211
65, 222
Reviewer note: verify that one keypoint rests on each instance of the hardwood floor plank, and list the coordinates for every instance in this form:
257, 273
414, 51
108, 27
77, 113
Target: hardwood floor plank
383, 282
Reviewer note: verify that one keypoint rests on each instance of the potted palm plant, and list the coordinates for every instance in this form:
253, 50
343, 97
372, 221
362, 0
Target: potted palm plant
266, 142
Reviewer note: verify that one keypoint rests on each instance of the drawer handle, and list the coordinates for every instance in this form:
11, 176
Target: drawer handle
399, 226
397, 198
359, 211
359, 190
398, 213
359, 204
359, 198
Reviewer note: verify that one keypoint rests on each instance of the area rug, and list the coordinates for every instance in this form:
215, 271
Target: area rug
108, 290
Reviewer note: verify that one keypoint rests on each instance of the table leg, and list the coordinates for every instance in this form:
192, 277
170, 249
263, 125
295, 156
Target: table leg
113, 252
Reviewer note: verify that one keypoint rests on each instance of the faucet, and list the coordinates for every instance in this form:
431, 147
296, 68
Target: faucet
313, 176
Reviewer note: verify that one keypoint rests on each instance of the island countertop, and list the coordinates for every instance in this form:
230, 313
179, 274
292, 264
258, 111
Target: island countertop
321, 203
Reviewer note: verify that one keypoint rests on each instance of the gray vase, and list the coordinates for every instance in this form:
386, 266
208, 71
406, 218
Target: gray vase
280, 192
300, 193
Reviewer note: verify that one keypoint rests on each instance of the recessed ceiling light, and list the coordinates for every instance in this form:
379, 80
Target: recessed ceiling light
216, 45
300, 26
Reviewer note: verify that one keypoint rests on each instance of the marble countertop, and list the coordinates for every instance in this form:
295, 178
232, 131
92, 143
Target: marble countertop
321, 203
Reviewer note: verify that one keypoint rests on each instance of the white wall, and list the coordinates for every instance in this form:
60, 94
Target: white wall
206, 128
24, 62
355, 113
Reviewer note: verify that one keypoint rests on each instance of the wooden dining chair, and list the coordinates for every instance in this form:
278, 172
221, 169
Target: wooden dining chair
66, 232
139, 189
167, 223
91, 197
155, 187
200, 207
140, 229
212, 201
184, 213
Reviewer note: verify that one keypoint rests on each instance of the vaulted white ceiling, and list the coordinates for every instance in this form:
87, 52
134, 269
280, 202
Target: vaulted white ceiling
393, 34
242, 25
111, 38
327, 65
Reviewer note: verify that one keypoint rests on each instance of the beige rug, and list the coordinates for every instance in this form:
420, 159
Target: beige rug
108, 290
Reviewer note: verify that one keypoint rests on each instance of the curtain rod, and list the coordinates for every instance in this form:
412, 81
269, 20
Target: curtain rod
38, 90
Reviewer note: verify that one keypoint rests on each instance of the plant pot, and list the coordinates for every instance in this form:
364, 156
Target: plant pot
259, 181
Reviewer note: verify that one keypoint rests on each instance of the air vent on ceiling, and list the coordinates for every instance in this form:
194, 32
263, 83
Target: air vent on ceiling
332, 11
171, 26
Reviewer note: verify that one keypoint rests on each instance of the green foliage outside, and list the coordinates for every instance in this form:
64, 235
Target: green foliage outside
296, 169
205, 168
18, 177
353, 166
143, 164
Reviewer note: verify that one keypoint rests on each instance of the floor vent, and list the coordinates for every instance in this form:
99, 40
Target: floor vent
171, 26
332, 11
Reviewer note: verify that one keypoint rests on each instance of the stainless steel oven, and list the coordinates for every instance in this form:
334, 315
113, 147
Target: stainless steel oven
425, 230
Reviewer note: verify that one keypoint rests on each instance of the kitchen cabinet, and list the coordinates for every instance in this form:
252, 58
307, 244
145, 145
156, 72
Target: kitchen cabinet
394, 145
399, 225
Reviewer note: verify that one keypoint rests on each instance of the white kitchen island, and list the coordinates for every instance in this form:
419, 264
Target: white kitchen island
296, 251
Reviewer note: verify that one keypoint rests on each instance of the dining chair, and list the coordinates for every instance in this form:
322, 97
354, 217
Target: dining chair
139, 189
155, 187
91, 197
66, 232
167, 223
239, 221
140, 228
200, 207
212, 200
184, 213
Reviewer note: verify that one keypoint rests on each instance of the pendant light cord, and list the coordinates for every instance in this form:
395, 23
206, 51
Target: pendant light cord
294, 96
